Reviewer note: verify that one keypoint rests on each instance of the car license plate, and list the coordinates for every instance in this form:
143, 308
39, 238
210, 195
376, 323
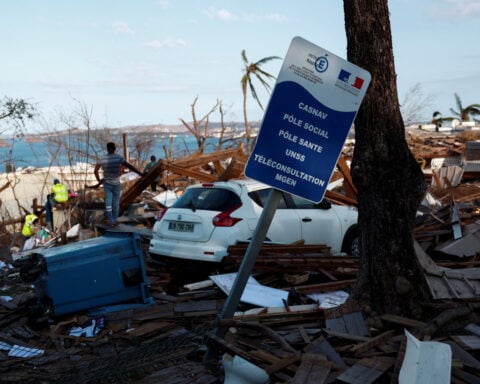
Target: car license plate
180, 227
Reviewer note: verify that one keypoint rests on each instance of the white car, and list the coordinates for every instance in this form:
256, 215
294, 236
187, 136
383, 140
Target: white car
209, 217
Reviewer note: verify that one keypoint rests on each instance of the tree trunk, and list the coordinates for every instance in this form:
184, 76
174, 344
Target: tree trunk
247, 127
390, 183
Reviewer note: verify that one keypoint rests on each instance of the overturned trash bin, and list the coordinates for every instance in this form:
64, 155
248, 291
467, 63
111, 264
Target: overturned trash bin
98, 272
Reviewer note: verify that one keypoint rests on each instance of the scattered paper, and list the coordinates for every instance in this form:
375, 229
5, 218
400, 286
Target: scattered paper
19, 351
425, 362
4, 346
254, 293
73, 231
330, 299
91, 329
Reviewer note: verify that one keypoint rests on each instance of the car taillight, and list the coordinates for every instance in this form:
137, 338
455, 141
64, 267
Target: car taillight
160, 214
225, 220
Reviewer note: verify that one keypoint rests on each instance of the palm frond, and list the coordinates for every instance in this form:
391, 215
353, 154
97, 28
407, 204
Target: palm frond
266, 60
458, 101
262, 81
266, 74
458, 114
244, 57
254, 94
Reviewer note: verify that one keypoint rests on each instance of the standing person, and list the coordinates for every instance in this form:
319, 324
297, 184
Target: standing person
49, 213
148, 167
112, 164
29, 229
59, 193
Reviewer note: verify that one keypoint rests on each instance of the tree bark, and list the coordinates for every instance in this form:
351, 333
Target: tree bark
390, 183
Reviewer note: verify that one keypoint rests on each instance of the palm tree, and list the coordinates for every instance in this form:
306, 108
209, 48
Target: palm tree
253, 69
438, 119
465, 113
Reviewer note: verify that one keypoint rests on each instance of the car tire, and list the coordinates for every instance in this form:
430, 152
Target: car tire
351, 242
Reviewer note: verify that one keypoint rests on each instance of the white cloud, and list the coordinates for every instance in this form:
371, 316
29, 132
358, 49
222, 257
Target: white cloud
166, 43
457, 9
275, 17
165, 4
122, 28
220, 14
227, 16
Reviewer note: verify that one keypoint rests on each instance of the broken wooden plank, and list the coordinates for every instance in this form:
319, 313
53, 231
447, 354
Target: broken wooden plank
406, 322
197, 307
282, 363
321, 346
152, 326
473, 328
360, 349
462, 355
367, 370
471, 342
346, 318
313, 369
239, 249
350, 189
346, 336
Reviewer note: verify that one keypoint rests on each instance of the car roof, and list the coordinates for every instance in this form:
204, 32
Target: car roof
244, 183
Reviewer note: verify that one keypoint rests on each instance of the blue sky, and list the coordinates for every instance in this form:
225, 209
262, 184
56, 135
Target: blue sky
145, 61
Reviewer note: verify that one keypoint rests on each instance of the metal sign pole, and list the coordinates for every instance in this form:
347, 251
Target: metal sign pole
246, 266
251, 255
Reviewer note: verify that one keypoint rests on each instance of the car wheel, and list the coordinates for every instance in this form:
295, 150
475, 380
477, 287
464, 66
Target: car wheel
351, 242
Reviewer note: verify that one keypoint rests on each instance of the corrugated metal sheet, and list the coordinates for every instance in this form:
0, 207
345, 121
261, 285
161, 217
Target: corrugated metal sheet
447, 283
346, 320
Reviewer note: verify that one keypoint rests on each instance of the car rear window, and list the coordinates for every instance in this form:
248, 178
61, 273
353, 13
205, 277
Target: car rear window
209, 199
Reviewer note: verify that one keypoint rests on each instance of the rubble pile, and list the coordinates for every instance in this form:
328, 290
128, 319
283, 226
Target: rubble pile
295, 323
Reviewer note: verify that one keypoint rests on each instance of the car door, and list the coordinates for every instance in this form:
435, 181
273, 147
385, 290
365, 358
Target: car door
318, 221
285, 226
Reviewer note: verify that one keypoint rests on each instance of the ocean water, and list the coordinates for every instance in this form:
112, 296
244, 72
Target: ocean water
22, 154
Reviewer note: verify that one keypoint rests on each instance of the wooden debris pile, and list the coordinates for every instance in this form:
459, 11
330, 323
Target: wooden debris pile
303, 341
300, 342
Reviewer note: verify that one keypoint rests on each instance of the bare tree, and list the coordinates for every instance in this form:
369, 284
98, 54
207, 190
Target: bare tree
16, 111
13, 115
415, 103
389, 180
198, 127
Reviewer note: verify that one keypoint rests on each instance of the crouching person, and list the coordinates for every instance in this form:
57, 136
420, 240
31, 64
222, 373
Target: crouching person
29, 231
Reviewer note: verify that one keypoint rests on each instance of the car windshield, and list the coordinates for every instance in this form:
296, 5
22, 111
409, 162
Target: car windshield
209, 199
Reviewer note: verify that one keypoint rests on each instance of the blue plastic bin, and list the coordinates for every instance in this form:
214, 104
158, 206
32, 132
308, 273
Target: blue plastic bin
92, 273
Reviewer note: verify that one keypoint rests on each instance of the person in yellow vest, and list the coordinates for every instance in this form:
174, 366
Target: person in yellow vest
29, 229
59, 193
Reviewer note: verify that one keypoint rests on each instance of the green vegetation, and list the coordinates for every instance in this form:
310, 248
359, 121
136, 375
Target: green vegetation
251, 70
465, 113
15, 112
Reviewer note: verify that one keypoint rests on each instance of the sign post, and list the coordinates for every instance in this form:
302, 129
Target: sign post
311, 110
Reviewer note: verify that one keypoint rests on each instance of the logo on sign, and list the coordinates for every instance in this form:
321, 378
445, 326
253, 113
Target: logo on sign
321, 64
349, 83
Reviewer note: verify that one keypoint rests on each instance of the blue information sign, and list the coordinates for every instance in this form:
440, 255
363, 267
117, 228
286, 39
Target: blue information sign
313, 105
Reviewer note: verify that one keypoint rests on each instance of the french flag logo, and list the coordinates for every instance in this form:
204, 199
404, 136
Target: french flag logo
345, 77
